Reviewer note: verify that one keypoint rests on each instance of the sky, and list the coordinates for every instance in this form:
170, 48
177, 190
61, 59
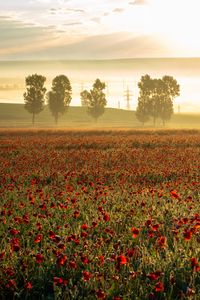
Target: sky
99, 29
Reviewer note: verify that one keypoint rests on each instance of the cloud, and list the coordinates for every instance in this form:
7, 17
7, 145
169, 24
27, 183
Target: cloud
138, 2
16, 36
74, 10
72, 24
110, 46
96, 20
118, 10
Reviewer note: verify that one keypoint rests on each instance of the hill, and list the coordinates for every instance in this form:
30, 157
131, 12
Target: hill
14, 115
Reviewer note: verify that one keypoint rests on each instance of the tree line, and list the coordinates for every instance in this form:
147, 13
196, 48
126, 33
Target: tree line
155, 98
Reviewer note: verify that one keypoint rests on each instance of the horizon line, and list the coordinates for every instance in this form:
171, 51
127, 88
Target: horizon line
97, 59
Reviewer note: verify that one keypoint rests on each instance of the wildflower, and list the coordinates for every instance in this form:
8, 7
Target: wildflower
100, 294
14, 231
38, 238
187, 235
57, 280
86, 275
101, 258
174, 194
135, 232
39, 258
84, 226
162, 241
195, 264
76, 214
84, 259
28, 286
15, 245
121, 259
159, 287
61, 260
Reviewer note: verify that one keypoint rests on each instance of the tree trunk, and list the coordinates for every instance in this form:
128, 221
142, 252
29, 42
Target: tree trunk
56, 119
154, 121
33, 119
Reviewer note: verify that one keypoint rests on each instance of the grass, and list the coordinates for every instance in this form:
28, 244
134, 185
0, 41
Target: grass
14, 115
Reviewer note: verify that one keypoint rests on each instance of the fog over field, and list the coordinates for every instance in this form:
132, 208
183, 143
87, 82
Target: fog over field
119, 75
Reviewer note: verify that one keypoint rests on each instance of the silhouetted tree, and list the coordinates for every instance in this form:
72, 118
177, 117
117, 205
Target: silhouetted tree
59, 97
156, 98
85, 95
95, 99
141, 112
171, 89
34, 96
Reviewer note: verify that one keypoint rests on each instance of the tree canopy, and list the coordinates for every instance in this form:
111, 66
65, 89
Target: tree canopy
95, 99
156, 98
34, 95
59, 97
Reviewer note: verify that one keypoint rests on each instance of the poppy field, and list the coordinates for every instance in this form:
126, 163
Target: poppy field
99, 214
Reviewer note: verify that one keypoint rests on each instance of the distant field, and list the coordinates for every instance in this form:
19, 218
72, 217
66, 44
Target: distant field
14, 115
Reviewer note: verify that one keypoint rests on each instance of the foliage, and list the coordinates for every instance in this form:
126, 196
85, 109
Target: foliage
34, 96
85, 98
59, 97
95, 99
156, 98
99, 215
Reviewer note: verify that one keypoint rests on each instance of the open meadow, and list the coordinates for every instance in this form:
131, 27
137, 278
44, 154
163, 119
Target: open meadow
93, 214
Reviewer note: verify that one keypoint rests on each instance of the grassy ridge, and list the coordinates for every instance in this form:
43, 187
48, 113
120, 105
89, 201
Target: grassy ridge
14, 115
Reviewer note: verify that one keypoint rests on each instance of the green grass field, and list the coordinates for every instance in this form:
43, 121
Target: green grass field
14, 115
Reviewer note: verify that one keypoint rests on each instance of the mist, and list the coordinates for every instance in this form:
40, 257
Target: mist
119, 75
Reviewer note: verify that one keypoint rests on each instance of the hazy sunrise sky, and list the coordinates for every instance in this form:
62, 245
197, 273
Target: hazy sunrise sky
99, 28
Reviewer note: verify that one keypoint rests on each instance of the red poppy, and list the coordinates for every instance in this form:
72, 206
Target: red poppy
15, 245
84, 259
39, 258
195, 264
61, 260
72, 264
159, 287
121, 259
174, 194
84, 234
86, 275
101, 258
2, 254
187, 235
155, 227
57, 280
38, 238
51, 234
154, 275
135, 232
106, 217
162, 241
84, 226
10, 284
28, 286
100, 294
14, 231
76, 214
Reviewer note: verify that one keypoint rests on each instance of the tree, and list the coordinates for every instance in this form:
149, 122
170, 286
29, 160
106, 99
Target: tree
85, 95
95, 99
156, 98
171, 89
141, 112
59, 97
34, 96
